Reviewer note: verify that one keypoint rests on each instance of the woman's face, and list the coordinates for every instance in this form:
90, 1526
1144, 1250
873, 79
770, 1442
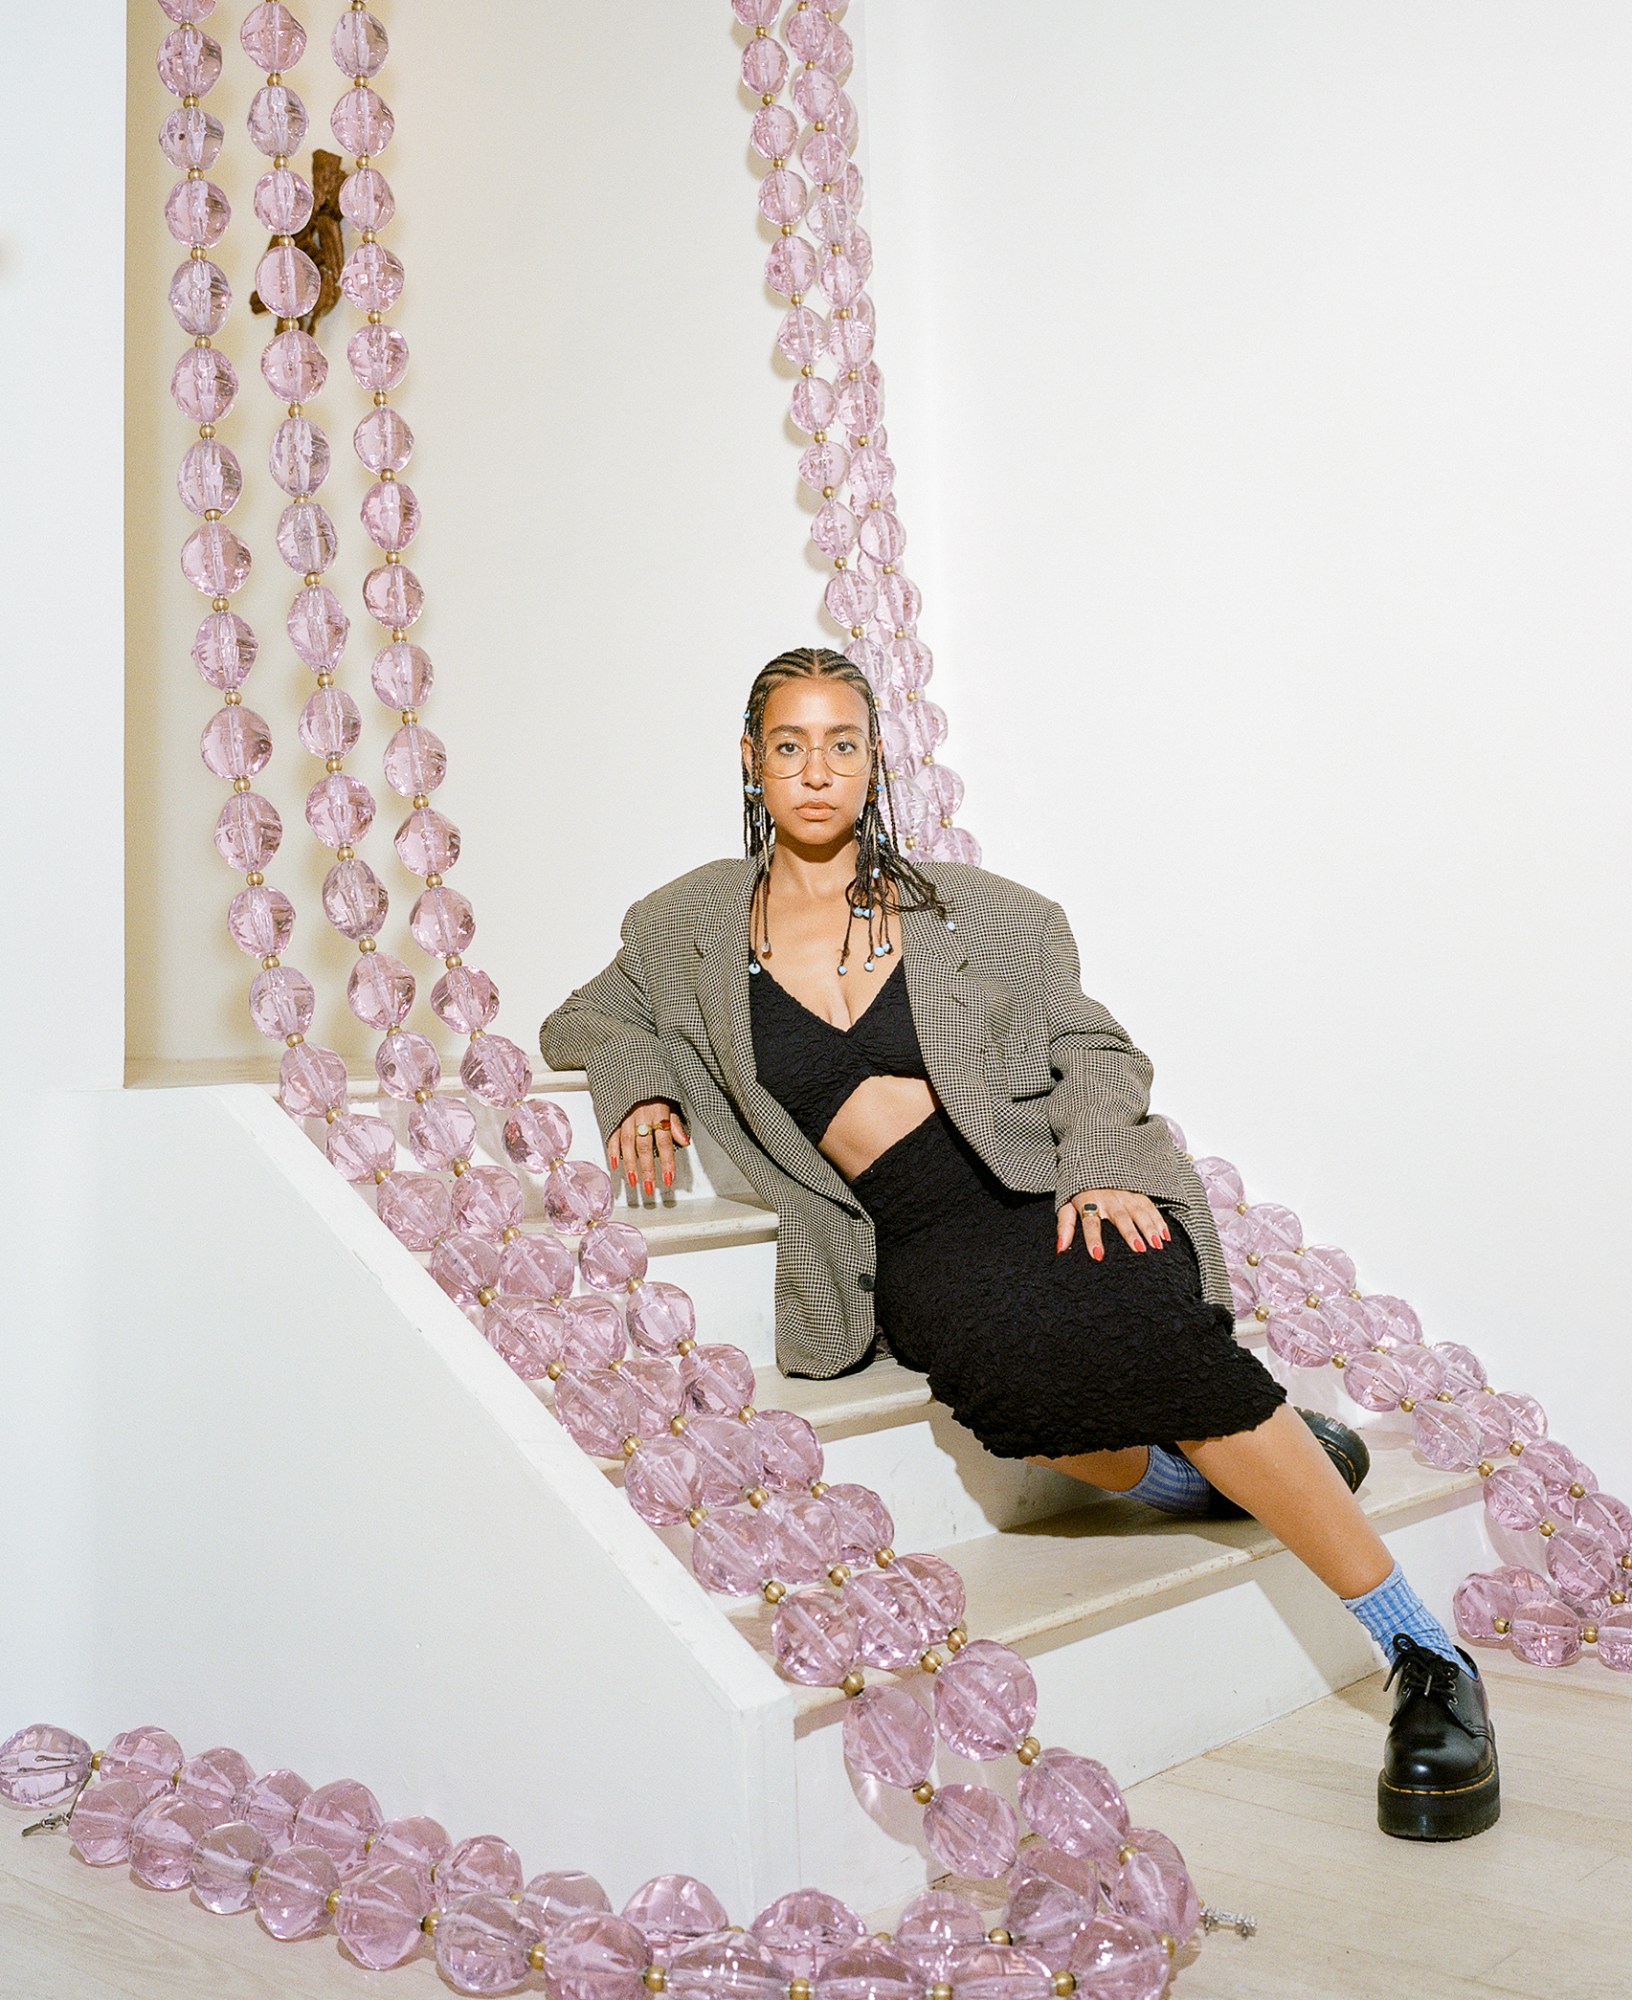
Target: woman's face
817, 805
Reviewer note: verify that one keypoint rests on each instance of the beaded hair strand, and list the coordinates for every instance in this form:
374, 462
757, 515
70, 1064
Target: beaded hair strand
878, 858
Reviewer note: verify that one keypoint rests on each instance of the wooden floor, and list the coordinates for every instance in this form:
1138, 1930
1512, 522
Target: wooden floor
1280, 1823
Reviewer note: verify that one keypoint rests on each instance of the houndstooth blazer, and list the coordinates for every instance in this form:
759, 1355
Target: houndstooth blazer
1040, 1079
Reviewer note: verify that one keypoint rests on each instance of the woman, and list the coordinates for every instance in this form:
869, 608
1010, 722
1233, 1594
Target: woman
955, 1140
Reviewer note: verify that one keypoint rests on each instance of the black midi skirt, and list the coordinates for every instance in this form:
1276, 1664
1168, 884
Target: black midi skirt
1038, 1353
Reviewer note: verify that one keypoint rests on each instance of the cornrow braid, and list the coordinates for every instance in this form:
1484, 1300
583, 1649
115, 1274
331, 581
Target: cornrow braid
879, 858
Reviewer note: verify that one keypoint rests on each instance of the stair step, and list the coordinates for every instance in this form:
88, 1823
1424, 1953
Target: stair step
1031, 1583
882, 1393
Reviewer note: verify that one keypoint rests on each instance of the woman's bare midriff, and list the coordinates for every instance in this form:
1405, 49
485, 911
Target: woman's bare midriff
880, 1110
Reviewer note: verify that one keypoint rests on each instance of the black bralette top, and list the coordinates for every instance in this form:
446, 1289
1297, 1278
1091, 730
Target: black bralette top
810, 1066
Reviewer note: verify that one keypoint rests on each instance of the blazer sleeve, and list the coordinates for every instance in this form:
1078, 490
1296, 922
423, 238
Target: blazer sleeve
605, 1028
1099, 1105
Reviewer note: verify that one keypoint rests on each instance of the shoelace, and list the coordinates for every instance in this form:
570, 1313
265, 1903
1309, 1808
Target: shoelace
1421, 1669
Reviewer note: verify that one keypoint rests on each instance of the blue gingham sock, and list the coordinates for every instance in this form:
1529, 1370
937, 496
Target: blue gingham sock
1172, 1483
1393, 1606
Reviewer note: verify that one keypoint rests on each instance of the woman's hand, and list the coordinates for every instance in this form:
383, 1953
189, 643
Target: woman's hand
633, 1150
1135, 1215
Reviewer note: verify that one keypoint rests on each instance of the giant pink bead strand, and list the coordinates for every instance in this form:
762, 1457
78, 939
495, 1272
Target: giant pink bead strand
379, 1914
595, 1957
224, 1865
102, 1820
340, 1818
889, 1736
973, 1830
806, 1930
559, 1896
162, 1839
725, 1968
1074, 1803
292, 1890
672, 1912
985, 1701
933, 1928
41, 1765
482, 1944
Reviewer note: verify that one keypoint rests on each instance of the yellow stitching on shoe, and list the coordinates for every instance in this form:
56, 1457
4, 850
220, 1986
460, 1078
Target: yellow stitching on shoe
1435, 1791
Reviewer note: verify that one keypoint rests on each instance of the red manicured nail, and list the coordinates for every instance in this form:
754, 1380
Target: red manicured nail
1098, 1254
650, 1189
668, 1178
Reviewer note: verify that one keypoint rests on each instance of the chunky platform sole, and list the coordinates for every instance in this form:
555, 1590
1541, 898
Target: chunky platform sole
1440, 1813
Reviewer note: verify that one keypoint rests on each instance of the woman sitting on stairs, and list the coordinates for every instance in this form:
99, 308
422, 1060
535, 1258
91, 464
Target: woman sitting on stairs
956, 1142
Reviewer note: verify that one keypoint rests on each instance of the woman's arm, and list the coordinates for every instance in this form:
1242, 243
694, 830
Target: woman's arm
1099, 1105
605, 1027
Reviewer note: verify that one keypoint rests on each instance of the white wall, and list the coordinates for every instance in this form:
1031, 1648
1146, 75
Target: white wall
1258, 376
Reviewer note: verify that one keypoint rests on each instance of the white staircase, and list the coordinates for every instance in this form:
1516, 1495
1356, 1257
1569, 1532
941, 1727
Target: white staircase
628, 1720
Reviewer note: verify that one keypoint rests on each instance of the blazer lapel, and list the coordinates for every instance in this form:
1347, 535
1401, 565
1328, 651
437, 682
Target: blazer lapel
945, 1005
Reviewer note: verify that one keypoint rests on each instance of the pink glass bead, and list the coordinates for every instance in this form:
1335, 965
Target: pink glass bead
790, 266
774, 132
1447, 1436
804, 1931
862, 1520
883, 538
577, 1195
755, 14
367, 202
383, 441
613, 1256
536, 1133
1615, 1639
727, 1461
595, 1957
209, 476
407, 1063
214, 561
934, 1929
940, 1588
840, 277
464, 1266
1000, 1972
361, 122
1117, 1958
354, 899
1558, 1467
597, 1411
814, 1637
764, 65
191, 137
372, 278
204, 385
1299, 1335
1477, 1603
394, 596
1284, 1279
235, 743
813, 406
1515, 1497
1349, 1330
889, 1736
725, 1968
672, 1912
271, 36
162, 1838
808, 35
402, 677
560, 1896
339, 809
415, 760
895, 1624
524, 1334
656, 1382
294, 366
144, 1756
985, 1701
281, 1001
850, 597
487, 1201
1395, 1323
306, 538
340, 1818
593, 1337
292, 1890
972, 1830
283, 202
823, 157
1074, 1803
833, 529
1153, 1886
823, 465
861, 406
660, 1316
102, 1820
189, 62
440, 1132
197, 213
1243, 1293
224, 649
1460, 1366
269, 1805
317, 628
360, 1148
482, 1865
782, 196
1523, 1582
276, 121
1424, 1373
377, 355
869, 1971
1052, 1894
850, 342
1583, 1566
731, 1552
1605, 1515
287, 281
390, 515
224, 1861
41, 1765
1375, 1381
804, 1537
494, 1068
1529, 1418
379, 1914
359, 44
330, 724
1493, 1418
1545, 1632
299, 459
717, 1380
790, 1452
872, 474
536, 1266
661, 1482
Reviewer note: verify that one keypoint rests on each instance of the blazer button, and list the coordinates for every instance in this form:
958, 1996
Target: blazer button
865, 1280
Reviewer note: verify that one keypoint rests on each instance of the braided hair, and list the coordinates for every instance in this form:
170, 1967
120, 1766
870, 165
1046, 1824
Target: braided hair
879, 859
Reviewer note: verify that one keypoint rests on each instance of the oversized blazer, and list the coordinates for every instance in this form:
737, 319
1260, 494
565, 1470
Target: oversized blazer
1040, 1080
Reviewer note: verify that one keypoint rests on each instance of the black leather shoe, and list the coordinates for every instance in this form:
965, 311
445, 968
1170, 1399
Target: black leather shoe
1439, 1779
1344, 1447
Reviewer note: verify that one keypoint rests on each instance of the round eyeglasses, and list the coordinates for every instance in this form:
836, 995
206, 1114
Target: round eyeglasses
787, 756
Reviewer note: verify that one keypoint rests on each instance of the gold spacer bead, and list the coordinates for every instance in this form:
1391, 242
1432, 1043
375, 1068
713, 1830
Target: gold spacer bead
940, 1990
345, 851
1126, 1851
369, 235
1617, 1597
756, 1496
535, 1956
1576, 1490
486, 1295
1484, 1468
998, 1935
677, 1424
1028, 1750
852, 1684
767, 97
807, 370
1545, 1528
1443, 1396
799, 1989
197, 253
509, 1232
331, 1902
409, 715
380, 399
695, 1517
312, 579
96, 1760
1517, 1447
375, 319
1065, 1983
957, 1639
429, 1922
931, 1662
787, 229
839, 1575
1501, 1625
747, 1414
817, 1488
1340, 1361
1589, 1635
883, 1557
774, 1592
686, 1346
654, 1979
219, 604
555, 1371
332, 764
1253, 1259
1170, 1944
923, 1793
232, 698
256, 878
240, 785
1408, 1404
631, 1445
1260, 1313
270, 961
367, 944
1626, 1560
